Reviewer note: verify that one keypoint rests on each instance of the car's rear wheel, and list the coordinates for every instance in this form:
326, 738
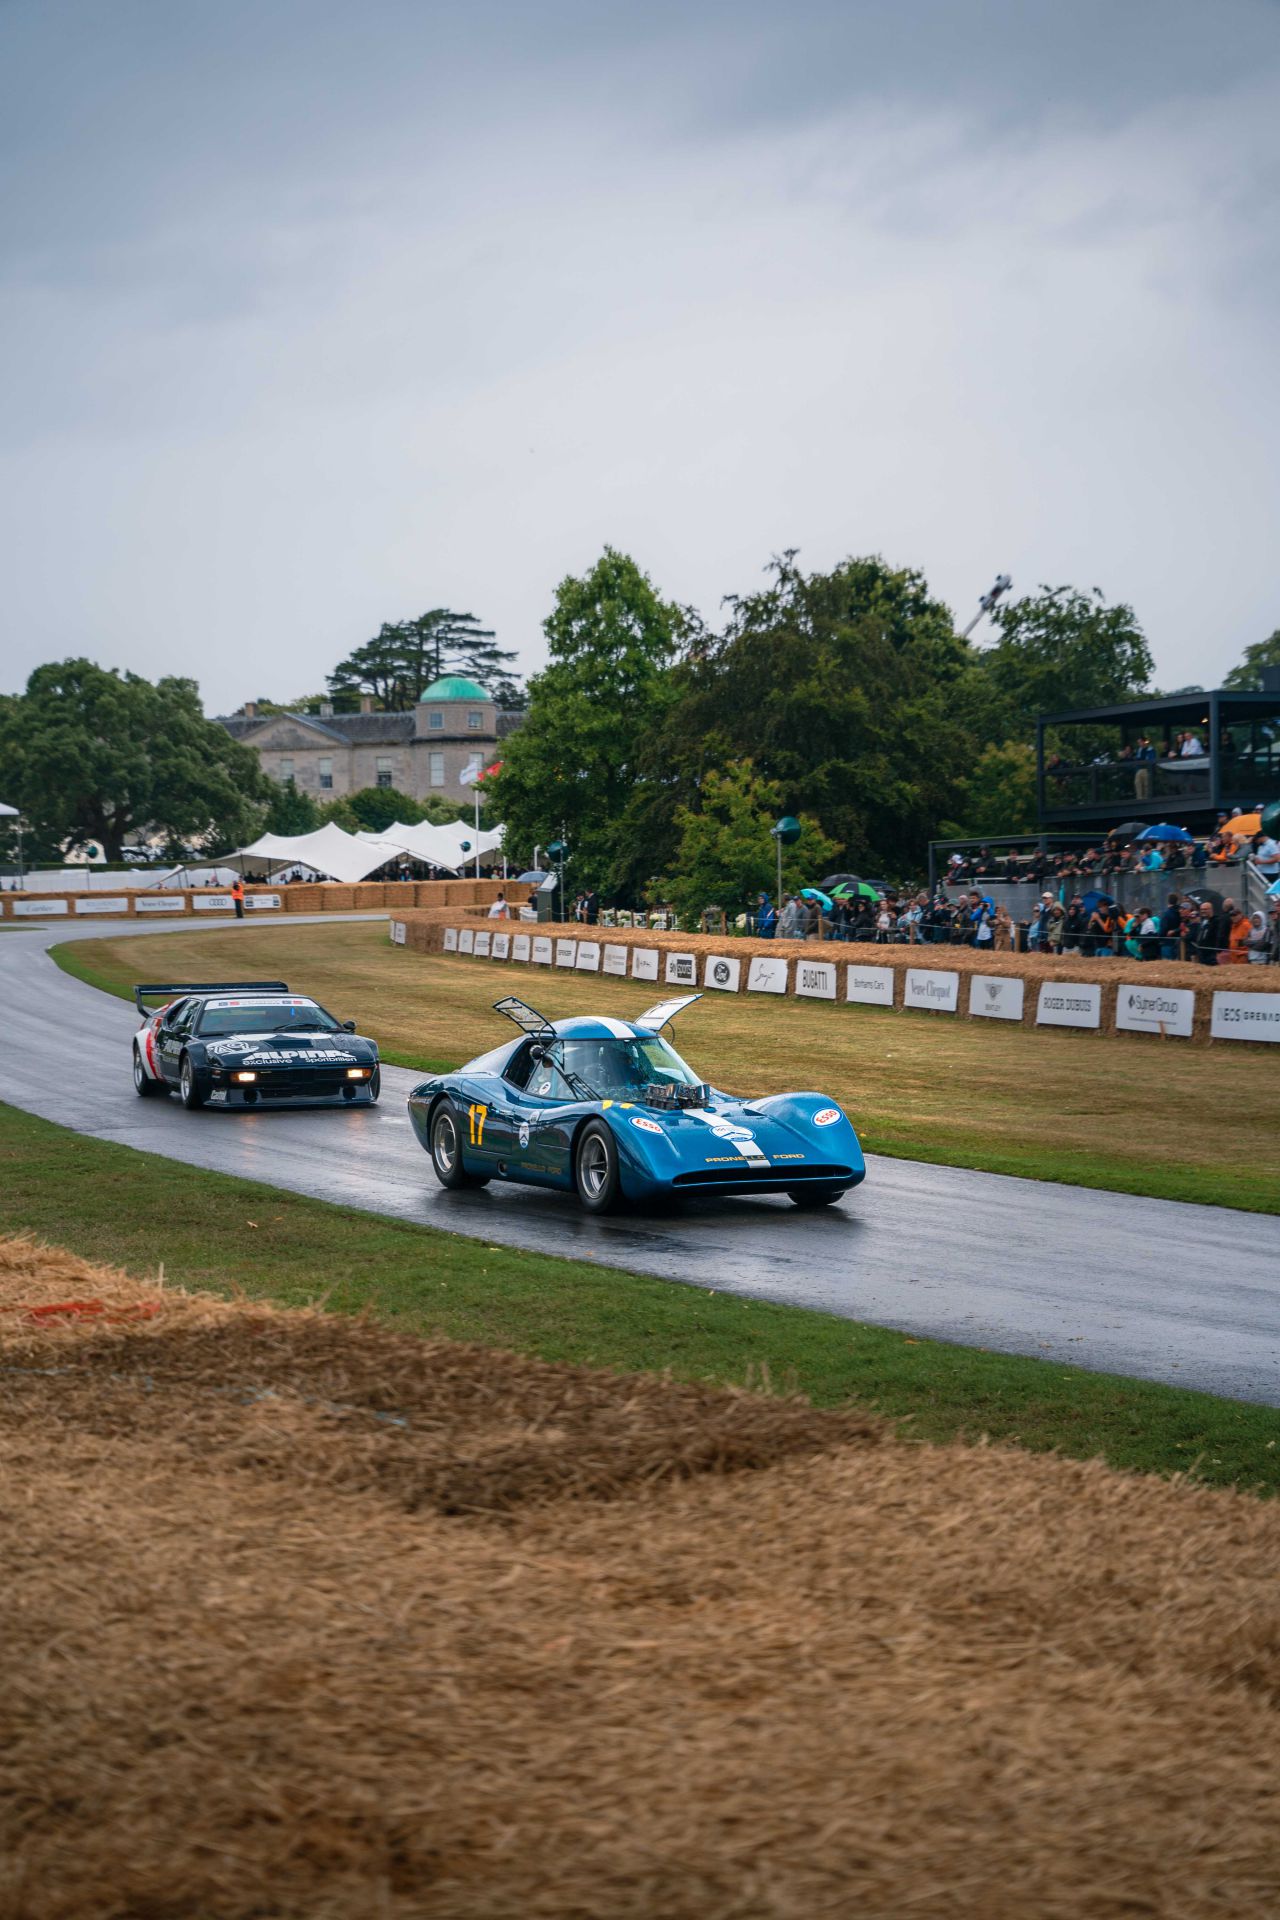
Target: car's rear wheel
143, 1085
595, 1168
814, 1196
446, 1149
188, 1087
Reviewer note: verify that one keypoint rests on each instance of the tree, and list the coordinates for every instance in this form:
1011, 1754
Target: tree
376, 807
843, 689
289, 811
405, 657
1060, 649
1247, 677
998, 796
572, 765
726, 854
94, 754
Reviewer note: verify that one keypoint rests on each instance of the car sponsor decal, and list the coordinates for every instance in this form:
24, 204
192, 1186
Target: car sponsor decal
741, 1138
523, 1135
302, 1050
219, 1097
827, 1118
645, 1126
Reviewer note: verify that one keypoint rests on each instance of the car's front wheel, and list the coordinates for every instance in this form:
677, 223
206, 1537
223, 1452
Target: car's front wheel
814, 1196
143, 1085
375, 1083
446, 1150
188, 1087
595, 1168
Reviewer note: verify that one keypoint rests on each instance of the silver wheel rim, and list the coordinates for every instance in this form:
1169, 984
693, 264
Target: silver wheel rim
446, 1143
186, 1080
138, 1075
593, 1166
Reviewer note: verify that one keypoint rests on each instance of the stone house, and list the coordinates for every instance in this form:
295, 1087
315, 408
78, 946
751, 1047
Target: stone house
422, 752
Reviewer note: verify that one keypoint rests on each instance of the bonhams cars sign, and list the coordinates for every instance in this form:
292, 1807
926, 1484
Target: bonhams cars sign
870, 986
1245, 1016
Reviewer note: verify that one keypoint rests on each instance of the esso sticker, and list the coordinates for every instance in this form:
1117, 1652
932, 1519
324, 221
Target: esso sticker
645, 1126
828, 1117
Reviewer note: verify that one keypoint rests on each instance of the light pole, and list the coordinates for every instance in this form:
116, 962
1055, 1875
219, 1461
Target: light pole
785, 834
559, 850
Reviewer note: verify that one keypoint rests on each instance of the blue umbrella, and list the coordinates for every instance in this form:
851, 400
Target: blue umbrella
1095, 898
815, 893
1167, 832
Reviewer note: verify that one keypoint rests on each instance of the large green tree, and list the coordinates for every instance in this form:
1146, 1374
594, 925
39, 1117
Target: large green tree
407, 655
844, 689
611, 639
1058, 649
1247, 676
726, 855
291, 811
93, 754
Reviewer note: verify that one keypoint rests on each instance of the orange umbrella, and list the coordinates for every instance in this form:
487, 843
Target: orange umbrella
1244, 824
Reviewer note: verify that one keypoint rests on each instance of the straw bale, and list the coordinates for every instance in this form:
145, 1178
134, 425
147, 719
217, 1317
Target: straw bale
238, 1680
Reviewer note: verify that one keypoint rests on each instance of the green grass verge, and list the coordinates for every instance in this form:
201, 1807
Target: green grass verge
135, 1210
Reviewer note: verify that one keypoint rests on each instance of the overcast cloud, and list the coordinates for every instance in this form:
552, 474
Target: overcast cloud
316, 315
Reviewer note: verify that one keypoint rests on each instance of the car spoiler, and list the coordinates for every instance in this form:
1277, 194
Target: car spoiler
171, 989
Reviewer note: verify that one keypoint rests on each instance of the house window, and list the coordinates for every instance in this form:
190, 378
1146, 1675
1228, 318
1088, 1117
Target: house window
435, 720
326, 773
475, 721
384, 771
437, 769
286, 769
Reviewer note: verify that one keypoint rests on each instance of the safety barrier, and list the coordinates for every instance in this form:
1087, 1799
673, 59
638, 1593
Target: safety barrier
294, 897
1163, 999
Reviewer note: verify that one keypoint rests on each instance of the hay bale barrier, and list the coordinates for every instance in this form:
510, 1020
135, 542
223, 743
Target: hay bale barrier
702, 957
309, 1617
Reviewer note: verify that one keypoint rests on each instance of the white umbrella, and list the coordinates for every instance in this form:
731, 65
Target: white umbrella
8, 812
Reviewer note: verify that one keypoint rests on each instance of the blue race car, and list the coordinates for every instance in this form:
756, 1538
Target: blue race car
609, 1110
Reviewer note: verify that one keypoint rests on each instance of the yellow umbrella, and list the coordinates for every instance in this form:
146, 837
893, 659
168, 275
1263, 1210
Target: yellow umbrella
1244, 824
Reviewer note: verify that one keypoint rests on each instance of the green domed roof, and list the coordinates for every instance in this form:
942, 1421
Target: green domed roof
453, 686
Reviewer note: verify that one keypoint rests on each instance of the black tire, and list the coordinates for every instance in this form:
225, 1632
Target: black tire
595, 1168
188, 1086
375, 1083
814, 1196
446, 1149
143, 1085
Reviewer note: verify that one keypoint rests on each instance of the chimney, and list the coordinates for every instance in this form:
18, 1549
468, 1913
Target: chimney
366, 703
250, 709
326, 709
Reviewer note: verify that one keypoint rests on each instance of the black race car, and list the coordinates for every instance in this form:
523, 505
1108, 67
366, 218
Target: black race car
249, 1043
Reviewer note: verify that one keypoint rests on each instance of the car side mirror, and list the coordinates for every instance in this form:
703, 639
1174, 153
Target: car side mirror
348, 1026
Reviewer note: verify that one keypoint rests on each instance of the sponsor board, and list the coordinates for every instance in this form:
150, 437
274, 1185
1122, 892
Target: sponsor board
720, 971
816, 979
520, 943
932, 989
159, 903
870, 986
397, 933
29, 907
614, 961
451, 939
1069, 1004
995, 997
1245, 1016
262, 902
588, 960
467, 940
100, 903
682, 970
542, 953
767, 974
482, 941
212, 903
1143, 1009
501, 948
644, 963
566, 952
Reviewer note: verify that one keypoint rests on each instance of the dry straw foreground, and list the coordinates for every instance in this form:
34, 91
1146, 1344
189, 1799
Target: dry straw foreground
307, 1617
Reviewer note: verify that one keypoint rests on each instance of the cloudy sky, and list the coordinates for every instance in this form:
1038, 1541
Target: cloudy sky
316, 314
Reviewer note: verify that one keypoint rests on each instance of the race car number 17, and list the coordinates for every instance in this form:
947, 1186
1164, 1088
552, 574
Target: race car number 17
477, 1116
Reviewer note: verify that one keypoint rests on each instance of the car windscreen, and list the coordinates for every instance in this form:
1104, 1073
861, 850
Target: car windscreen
617, 1068
221, 1017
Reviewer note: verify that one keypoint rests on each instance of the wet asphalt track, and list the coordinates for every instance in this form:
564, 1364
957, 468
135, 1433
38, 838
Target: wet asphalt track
1185, 1294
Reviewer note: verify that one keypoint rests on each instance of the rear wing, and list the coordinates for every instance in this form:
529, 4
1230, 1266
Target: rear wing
172, 989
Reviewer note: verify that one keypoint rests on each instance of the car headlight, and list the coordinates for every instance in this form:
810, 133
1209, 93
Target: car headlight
244, 1078
357, 1073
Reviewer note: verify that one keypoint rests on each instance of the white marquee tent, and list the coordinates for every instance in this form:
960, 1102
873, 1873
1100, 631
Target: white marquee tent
454, 846
329, 850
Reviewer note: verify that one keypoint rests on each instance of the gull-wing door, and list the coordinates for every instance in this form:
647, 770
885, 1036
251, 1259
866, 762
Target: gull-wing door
527, 1018
657, 1017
